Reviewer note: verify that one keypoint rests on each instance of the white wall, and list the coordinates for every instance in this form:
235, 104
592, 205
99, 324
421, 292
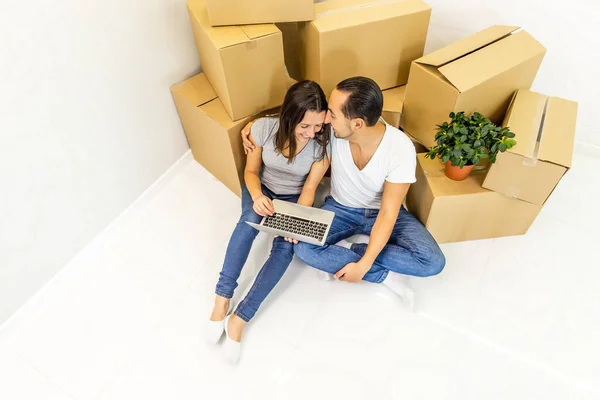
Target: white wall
87, 123
570, 30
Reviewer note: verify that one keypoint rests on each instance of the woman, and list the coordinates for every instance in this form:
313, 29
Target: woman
290, 159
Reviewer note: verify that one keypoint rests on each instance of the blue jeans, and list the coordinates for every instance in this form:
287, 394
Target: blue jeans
237, 254
411, 250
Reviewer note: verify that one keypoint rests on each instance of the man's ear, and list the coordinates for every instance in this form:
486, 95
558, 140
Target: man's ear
357, 123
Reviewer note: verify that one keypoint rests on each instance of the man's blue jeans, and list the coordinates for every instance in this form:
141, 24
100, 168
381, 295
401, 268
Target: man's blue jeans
237, 254
411, 250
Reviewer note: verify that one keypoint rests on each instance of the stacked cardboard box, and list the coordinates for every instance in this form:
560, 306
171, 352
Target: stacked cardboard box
545, 128
213, 136
455, 211
244, 64
505, 199
479, 73
393, 104
376, 38
245, 74
244, 12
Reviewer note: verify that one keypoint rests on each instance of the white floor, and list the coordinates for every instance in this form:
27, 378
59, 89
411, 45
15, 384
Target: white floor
510, 318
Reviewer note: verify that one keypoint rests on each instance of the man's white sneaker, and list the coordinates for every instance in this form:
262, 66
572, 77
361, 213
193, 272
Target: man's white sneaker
397, 283
231, 347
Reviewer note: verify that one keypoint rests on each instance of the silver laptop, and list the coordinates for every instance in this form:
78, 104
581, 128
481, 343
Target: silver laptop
305, 224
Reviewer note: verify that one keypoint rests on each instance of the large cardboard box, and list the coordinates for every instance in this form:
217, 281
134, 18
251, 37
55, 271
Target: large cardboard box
243, 12
244, 64
479, 73
393, 103
378, 39
456, 211
545, 135
292, 44
213, 137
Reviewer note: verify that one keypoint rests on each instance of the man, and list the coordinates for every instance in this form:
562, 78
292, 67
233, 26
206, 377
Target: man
373, 165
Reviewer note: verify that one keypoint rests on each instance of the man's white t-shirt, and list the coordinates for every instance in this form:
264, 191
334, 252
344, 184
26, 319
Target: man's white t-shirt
395, 161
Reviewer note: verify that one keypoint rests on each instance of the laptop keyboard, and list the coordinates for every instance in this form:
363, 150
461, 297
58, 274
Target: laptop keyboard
299, 226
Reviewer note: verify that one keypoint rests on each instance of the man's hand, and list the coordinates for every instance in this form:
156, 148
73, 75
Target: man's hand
353, 272
248, 145
287, 239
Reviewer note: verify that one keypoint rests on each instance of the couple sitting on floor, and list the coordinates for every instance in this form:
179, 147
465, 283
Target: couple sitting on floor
372, 167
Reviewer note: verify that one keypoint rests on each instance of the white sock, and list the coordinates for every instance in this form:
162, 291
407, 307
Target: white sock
344, 243
397, 283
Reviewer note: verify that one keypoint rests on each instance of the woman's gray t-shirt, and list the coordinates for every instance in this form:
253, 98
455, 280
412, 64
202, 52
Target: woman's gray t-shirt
276, 174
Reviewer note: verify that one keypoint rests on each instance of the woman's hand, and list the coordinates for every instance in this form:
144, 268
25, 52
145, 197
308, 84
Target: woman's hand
263, 206
248, 145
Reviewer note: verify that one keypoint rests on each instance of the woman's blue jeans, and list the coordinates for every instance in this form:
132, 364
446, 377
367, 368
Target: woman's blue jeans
237, 254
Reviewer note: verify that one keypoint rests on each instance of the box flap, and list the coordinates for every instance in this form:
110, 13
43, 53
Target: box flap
325, 8
197, 90
337, 14
524, 118
393, 99
492, 60
442, 186
466, 45
558, 133
226, 36
256, 31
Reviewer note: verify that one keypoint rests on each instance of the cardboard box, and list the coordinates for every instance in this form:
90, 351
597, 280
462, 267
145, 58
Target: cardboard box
213, 137
393, 103
378, 39
244, 64
243, 12
419, 148
479, 73
456, 211
545, 134
292, 44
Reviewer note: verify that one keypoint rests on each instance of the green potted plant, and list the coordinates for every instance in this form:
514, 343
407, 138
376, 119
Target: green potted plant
463, 142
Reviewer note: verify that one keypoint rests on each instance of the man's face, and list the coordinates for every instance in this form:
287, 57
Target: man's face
341, 126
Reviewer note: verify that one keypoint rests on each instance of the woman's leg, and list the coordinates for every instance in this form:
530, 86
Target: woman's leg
238, 249
269, 275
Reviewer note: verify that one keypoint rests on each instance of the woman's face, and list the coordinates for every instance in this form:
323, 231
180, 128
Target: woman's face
311, 124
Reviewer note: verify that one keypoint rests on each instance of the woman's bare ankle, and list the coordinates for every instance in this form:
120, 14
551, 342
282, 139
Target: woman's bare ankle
235, 328
220, 308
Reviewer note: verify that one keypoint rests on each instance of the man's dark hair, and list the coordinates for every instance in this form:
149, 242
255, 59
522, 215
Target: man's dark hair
365, 99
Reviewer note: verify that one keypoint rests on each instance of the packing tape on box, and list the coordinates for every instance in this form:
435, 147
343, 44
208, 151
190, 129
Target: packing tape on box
532, 161
357, 7
513, 192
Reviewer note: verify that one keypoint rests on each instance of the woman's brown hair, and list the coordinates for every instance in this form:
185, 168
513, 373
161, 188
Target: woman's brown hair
302, 97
